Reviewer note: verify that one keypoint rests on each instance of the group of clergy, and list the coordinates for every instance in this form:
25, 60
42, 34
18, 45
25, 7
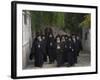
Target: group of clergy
59, 50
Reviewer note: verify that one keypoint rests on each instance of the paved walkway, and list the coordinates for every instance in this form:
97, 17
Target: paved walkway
83, 60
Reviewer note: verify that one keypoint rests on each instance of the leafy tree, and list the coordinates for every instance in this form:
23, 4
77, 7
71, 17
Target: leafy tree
86, 22
72, 21
62, 20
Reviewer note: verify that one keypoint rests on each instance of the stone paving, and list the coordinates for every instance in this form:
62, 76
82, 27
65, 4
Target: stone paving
83, 60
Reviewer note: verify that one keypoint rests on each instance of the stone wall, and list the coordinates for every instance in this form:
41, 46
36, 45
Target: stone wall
27, 38
86, 42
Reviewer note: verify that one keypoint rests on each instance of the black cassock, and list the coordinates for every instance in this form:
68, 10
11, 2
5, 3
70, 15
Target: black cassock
39, 53
79, 46
76, 48
71, 53
32, 52
50, 48
65, 51
59, 54
44, 50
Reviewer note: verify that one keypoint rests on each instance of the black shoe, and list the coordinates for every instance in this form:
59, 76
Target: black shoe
68, 65
50, 62
58, 65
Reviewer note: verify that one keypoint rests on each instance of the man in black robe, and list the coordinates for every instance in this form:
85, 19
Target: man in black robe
71, 49
39, 53
50, 47
64, 49
44, 48
58, 49
32, 52
65, 56
75, 47
47, 32
79, 44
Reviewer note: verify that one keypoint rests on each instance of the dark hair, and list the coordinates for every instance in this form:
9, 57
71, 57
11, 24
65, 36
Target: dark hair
58, 36
48, 30
66, 35
70, 37
43, 35
38, 33
62, 36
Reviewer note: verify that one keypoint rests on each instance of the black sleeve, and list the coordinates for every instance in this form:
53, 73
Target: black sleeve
32, 52
80, 44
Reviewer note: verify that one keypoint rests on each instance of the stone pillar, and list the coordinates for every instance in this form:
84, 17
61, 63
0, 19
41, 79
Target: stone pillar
27, 37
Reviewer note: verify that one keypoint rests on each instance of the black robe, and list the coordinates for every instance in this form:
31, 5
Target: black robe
59, 54
79, 46
44, 50
32, 52
65, 51
75, 50
71, 54
50, 48
39, 53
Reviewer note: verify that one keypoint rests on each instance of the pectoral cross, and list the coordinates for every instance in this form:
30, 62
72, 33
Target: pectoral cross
65, 46
51, 44
38, 45
72, 49
58, 47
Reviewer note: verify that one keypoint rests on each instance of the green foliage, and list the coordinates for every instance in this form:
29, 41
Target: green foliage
64, 21
40, 19
86, 22
72, 21
36, 22
60, 20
